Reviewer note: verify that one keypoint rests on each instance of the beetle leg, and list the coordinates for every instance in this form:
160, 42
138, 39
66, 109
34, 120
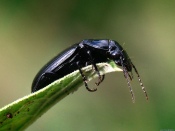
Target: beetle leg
85, 80
100, 77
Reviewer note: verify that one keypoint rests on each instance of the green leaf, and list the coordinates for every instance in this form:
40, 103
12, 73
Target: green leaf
23, 112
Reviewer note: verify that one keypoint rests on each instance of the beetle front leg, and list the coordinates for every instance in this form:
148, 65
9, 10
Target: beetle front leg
84, 79
100, 77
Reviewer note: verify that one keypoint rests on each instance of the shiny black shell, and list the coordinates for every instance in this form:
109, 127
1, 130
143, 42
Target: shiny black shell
80, 55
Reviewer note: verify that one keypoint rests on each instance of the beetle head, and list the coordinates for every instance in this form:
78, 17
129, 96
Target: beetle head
119, 55
121, 58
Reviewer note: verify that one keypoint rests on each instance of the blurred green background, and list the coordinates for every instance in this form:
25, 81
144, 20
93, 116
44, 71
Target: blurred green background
33, 31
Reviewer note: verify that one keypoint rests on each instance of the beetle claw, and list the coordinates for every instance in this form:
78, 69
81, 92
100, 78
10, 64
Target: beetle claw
91, 90
100, 79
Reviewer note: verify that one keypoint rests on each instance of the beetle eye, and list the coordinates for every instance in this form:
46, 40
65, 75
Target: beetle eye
118, 62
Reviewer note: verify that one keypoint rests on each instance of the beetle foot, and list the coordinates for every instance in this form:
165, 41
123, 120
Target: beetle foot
91, 90
100, 79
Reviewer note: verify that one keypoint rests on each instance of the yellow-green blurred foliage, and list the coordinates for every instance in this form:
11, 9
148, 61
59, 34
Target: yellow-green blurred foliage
33, 31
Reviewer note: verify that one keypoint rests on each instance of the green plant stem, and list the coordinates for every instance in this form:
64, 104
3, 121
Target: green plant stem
23, 112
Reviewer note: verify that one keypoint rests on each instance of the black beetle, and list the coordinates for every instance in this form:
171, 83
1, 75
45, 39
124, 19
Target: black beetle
87, 52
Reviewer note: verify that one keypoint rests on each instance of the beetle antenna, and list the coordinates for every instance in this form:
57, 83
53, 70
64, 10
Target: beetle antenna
130, 76
127, 76
140, 81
